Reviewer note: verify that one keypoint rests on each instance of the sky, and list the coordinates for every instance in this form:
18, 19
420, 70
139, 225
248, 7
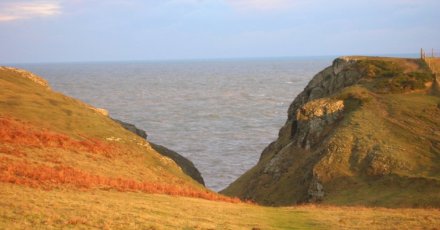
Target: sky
124, 30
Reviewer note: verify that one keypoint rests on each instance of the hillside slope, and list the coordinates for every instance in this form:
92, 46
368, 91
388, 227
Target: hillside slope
49, 140
365, 131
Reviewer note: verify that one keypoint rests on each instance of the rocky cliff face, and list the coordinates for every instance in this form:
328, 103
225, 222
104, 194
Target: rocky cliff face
330, 80
346, 136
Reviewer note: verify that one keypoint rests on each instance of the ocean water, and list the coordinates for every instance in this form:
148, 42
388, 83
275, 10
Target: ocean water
220, 114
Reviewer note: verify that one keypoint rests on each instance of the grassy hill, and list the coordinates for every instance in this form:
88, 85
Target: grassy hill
50, 140
63, 164
365, 131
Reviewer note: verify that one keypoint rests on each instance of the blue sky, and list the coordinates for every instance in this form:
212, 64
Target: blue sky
111, 30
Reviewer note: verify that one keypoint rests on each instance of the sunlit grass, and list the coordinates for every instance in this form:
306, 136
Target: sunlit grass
24, 207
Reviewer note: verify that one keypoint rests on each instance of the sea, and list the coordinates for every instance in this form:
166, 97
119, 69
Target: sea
219, 113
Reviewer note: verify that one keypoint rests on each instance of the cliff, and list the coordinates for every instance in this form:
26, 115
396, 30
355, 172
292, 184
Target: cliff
364, 131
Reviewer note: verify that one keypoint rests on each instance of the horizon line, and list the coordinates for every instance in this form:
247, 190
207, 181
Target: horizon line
408, 55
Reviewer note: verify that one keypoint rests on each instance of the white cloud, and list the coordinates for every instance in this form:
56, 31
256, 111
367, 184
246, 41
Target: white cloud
16, 10
260, 5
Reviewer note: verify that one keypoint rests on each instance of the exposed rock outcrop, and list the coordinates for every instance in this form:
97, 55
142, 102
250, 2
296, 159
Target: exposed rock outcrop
132, 128
332, 79
101, 111
313, 118
346, 135
186, 165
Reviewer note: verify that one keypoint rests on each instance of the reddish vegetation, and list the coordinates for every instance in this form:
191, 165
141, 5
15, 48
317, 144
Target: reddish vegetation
12, 151
42, 176
14, 134
19, 133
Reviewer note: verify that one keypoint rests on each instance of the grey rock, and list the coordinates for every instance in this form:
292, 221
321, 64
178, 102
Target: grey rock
132, 128
313, 117
316, 191
186, 165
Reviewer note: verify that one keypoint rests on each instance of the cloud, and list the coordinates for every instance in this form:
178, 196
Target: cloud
16, 10
260, 5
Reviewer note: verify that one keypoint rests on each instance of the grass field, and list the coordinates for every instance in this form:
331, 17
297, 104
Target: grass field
27, 208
